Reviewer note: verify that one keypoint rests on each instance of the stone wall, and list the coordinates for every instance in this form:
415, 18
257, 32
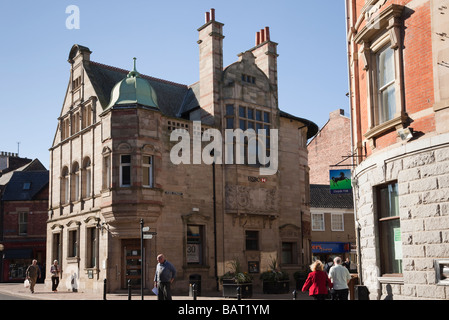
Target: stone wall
421, 169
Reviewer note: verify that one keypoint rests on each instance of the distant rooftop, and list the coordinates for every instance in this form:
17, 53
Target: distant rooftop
321, 197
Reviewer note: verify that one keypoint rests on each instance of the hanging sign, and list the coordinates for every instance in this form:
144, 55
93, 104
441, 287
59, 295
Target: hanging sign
340, 181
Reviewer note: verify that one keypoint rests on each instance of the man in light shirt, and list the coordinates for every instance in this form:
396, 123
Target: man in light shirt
340, 277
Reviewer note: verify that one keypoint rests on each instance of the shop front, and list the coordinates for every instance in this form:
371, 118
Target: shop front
15, 260
327, 251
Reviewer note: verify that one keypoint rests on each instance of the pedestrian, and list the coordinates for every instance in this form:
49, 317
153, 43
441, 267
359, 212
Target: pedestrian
163, 278
55, 271
347, 264
317, 282
32, 273
340, 278
328, 265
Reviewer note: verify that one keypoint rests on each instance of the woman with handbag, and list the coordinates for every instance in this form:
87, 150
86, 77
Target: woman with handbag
55, 270
317, 282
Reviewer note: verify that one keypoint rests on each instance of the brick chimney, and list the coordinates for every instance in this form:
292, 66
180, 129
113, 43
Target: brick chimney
211, 67
266, 55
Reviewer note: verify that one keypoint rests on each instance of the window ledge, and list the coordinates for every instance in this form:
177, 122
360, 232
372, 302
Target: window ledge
391, 279
386, 126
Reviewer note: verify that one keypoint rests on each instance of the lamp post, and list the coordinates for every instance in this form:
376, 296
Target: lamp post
142, 269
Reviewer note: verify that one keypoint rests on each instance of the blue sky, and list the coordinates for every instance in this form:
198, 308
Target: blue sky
35, 44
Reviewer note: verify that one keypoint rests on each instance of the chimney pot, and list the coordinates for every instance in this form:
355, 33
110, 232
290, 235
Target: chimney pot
262, 35
257, 38
207, 17
267, 33
212, 14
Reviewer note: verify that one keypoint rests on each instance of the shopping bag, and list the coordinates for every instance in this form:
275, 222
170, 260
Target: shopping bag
26, 284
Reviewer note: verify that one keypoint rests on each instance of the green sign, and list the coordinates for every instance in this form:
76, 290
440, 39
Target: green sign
340, 181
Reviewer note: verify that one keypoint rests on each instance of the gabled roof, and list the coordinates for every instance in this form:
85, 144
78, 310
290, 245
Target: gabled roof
25, 185
321, 197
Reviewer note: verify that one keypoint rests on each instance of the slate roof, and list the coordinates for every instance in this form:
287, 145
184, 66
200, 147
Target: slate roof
15, 191
171, 97
321, 197
174, 99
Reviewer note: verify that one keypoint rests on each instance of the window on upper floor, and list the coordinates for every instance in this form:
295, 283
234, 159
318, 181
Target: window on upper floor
65, 186
76, 83
23, 223
337, 222
75, 182
317, 221
386, 92
147, 171
381, 54
106, 171
249, 118
87, 178
125, 170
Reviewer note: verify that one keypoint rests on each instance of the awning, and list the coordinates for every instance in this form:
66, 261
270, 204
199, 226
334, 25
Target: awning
18, 254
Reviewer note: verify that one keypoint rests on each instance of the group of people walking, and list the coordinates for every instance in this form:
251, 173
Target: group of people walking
321, 284
163, 278
33, 273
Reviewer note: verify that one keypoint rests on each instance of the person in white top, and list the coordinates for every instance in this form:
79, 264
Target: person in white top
340, 277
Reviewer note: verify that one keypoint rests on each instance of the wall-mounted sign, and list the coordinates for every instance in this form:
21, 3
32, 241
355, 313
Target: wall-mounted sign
256, 179
340, 181
330, 247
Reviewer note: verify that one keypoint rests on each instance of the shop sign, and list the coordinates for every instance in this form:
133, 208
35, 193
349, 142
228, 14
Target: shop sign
330, 247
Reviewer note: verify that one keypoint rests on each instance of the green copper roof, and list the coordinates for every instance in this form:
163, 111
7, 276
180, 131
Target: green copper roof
133, 90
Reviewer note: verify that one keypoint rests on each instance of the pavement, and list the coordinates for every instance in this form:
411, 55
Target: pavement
41, 292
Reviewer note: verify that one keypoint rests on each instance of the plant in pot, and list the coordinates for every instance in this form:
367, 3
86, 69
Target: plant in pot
275, 280
235, 278
300, 277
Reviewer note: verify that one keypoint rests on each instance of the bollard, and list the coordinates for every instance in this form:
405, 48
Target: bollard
239, 296
194, 291
129, 289
104, 290
294, 294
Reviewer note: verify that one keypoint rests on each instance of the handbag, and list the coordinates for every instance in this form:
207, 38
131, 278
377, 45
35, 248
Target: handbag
26, 283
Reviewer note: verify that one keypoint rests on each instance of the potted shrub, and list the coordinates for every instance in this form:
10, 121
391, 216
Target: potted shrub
236, 278
275, 280
300, 277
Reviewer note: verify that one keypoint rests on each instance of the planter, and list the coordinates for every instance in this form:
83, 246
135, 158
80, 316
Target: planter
230, 290
276, 287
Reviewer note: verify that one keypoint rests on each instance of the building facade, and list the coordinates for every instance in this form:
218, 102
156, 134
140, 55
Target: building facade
131, 148
330, 147
23, 218
332, 214
398, 65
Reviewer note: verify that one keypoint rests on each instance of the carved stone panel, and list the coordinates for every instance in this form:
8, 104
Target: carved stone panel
251, 200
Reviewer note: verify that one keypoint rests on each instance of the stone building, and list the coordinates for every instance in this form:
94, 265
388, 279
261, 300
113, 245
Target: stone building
399, 85
130, 147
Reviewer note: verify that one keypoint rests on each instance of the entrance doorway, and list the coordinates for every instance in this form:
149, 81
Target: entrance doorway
131, 265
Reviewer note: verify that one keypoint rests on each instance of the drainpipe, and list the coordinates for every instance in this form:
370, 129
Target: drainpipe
353, 178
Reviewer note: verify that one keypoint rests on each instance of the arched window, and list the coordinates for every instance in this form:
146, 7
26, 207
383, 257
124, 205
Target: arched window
65, 185
87, 178
75, 182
